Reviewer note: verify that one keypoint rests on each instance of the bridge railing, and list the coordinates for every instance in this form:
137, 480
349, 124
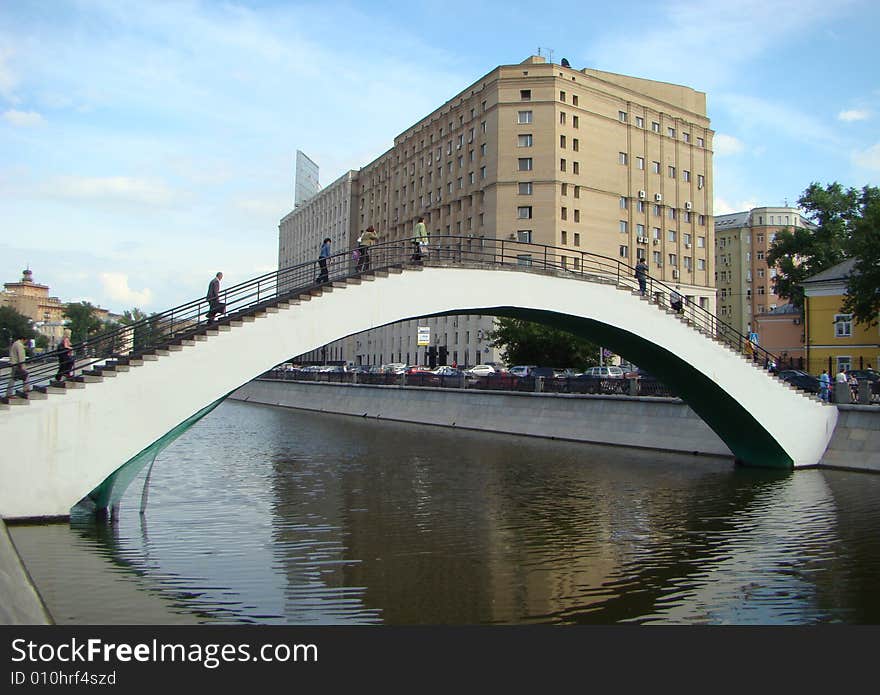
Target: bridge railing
161, 329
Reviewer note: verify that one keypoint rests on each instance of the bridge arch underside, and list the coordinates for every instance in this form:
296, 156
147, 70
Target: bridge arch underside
749, 441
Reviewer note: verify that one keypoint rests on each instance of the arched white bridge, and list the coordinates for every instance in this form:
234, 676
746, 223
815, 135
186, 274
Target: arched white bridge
93, 441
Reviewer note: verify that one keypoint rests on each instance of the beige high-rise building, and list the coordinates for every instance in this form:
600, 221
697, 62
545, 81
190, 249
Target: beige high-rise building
744, 280
587, 161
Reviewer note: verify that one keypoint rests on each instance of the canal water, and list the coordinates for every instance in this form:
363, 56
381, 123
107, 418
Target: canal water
268, 516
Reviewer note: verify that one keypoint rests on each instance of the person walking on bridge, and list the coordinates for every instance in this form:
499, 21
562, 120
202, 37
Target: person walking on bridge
324, 275
17, 356
213, 297
420, 240
642, 275
65, 357
365, 242
675, 299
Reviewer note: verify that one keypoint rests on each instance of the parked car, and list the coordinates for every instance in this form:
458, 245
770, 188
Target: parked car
800, 379
482, 370
446, 370
522, 370
395, 368
609, 372
868, 374
418, 370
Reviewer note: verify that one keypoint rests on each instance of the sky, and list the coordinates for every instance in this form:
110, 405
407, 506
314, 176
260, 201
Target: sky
146, 145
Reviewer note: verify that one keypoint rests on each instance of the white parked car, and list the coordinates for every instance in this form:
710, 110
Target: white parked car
482, 370
605, 372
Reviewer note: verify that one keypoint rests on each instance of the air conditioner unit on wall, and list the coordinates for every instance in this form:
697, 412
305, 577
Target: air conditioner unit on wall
658, 197
642, 195
643, 240
675, 273
687, 246
688, 206
656, 242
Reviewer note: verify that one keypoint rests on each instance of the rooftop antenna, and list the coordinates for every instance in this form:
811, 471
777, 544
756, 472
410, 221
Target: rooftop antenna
549, 53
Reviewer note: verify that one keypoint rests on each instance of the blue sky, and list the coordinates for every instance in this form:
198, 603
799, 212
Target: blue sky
146, 145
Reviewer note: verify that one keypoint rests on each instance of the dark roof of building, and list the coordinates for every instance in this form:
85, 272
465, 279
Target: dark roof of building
841, 271
784, 309
732, 220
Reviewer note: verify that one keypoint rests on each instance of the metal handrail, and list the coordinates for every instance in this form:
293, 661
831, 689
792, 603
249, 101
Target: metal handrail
184, 321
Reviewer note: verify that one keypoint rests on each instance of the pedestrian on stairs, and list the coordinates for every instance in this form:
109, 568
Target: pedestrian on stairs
213, 297
17, 357
642, 275
65, 357
675, 300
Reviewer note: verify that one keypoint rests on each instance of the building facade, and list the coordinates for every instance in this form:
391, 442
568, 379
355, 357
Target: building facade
32, 300
834, 340
744, 280
584, 161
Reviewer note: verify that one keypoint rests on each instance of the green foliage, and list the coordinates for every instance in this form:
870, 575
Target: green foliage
846, 227
863, 289
13, 324
82, 320
146, 333
524, 342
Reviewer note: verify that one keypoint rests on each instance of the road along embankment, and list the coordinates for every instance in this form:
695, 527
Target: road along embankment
665, 424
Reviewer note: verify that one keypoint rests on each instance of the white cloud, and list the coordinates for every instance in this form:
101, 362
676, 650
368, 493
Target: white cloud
23, 118
722, 207
854, 115
726, 145
116, 287
113, 189
868, 159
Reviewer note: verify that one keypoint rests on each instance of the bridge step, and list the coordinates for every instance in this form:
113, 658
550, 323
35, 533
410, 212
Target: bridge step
65, 385
353, 281
14, 400
340, 284
234, 323
305, 297
272, 309
151, 356
118, 366
37, 393
90, 377
247, 318
381, 273
172, 347
200, 337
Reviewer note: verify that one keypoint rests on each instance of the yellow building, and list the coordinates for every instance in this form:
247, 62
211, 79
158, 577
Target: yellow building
834, 340
32, 300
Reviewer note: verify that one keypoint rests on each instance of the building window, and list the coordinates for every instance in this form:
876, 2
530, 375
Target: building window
844, 362
574, 100
623, 251
701, 181
701, 142
670, 234
673, 260
655, 126
525, 163
687, 239
575, 145
655, 257
524, 235
686, 137
525, 94
522, 117
562, 141
483, 125
575, 168
524, 260
622, 158
640, 163
562, 118
524, 212
524, 140
482, 172
657, 210
564, 213
640, 122
842, 325
701, 242
577, 215
672, 213
525, 188
564, 237
577, 239
655, 232
565, 189
640, 230
621, 116
623, 202
670, 132
686, 175
574, 121
561, 95
701, 220
577, 191
640, 205
655, 167
687, 262
671, 171
624, 226
562, 165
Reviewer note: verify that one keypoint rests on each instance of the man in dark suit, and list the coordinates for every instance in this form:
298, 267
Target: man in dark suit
213, 297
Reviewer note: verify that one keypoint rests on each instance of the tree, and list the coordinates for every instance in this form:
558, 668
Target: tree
801, 252
863, 287
145, 332
847, 223
524, 342
83, 321
14, 324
